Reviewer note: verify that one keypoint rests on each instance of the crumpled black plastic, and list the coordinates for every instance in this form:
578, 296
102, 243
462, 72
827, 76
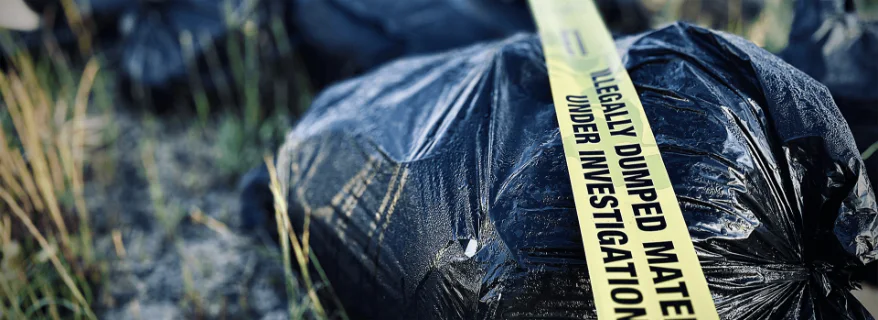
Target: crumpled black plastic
436, 186
829, 42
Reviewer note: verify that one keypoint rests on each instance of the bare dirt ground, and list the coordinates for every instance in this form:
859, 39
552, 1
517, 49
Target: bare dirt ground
168, 223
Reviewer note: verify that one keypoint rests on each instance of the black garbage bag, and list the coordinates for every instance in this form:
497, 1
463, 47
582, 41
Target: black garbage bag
164, 43
830, 43
437, 186
345, 37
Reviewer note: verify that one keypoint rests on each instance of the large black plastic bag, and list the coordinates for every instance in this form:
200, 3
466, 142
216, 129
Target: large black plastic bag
830, 43
437, 189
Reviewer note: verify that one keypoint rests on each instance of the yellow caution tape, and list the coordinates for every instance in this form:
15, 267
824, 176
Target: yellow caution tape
641, 261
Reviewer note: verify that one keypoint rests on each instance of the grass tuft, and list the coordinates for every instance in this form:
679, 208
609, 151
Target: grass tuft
46, 240
304, 258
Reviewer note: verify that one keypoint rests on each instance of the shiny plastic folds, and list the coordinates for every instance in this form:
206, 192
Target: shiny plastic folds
435, 187
830, 43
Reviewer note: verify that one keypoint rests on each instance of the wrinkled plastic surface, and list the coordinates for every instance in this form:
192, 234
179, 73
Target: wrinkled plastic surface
346, 36
830, 43
372, 31
436, 186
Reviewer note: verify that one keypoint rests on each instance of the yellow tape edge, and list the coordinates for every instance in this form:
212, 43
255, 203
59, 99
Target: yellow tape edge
631, 263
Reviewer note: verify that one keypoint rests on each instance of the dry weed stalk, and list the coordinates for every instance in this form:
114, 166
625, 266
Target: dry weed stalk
41, 164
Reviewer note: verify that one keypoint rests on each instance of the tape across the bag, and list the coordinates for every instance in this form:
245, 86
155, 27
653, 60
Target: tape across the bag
641, 260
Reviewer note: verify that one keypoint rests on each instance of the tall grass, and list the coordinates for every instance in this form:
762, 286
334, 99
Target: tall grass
43, 214
305, 258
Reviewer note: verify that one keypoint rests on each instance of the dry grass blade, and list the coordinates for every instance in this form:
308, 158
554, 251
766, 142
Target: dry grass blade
118, 245
198, 216
17, 163
27, 127
6, 172
74, 18
53, 256
80, 104
280, 210
7, 290
41, 182
285, 230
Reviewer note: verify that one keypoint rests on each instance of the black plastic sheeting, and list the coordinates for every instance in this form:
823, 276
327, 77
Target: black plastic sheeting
437, 189
831, 43
368, 32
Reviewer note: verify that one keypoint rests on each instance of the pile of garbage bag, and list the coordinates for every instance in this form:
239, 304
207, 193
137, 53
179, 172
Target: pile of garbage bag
436, 186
